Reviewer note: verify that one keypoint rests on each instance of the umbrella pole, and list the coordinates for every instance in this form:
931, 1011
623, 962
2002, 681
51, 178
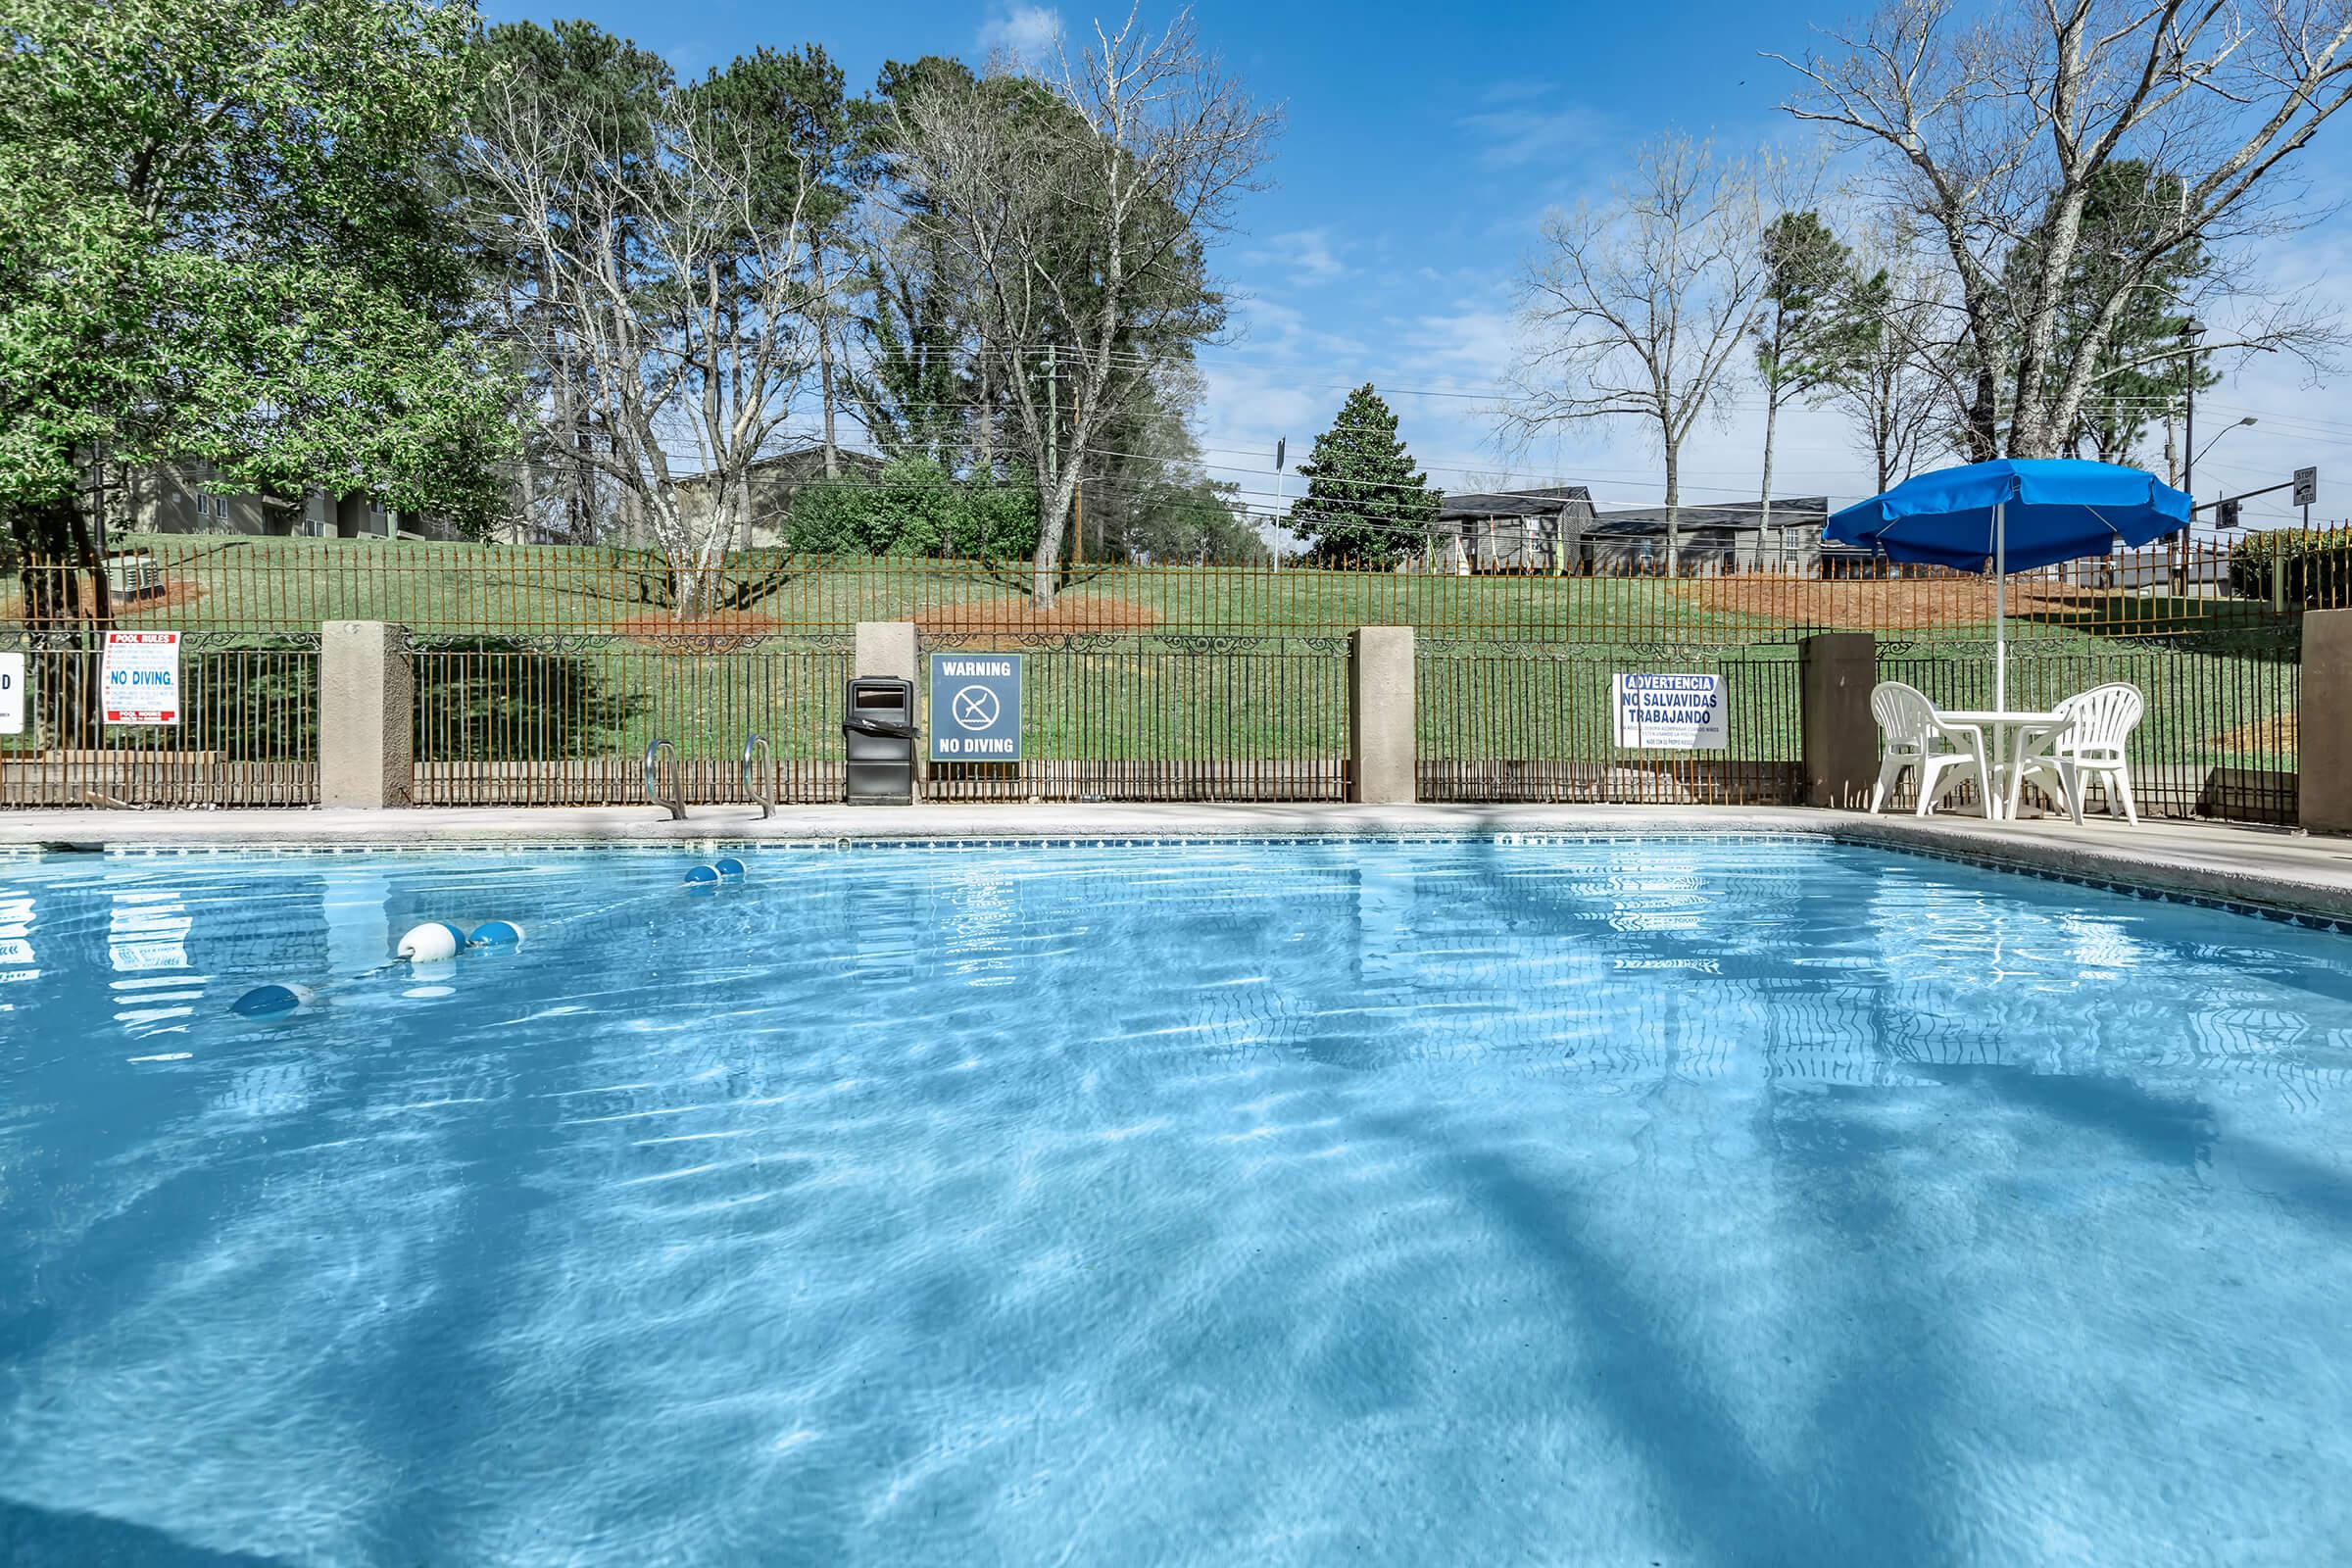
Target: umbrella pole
2000, 609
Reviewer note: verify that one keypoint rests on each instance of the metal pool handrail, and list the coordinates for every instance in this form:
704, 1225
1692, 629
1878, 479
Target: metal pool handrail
758, 744
653, 794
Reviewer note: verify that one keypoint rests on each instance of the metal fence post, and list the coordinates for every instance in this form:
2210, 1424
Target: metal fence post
2324, 723
1836, 671
366, 714
1383, 757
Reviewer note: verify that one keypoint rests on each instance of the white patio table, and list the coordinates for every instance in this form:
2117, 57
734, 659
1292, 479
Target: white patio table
2015, 737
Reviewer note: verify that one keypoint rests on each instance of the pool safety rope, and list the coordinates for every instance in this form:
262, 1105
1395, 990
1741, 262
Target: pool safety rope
439, 942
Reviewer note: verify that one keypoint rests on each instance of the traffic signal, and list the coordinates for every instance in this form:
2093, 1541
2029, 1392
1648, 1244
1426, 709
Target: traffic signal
2226, 514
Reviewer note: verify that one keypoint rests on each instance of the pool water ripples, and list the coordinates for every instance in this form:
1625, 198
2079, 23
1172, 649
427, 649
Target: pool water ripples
1698, 1202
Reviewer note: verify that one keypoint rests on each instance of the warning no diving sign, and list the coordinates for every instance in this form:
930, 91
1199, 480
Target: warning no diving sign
975, 708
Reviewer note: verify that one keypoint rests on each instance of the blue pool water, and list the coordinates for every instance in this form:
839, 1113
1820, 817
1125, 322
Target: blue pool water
1693, 1203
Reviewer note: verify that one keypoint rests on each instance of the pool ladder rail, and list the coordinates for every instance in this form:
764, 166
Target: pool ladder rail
757, 748
756, 751
676, 800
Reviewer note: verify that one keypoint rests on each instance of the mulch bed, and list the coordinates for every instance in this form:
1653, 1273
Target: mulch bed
1878, 603
712, 633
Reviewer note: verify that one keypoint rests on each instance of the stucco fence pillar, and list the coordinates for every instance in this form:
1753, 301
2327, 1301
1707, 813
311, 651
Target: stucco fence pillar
2324, 723
366, 715
1836, 672
1383, 745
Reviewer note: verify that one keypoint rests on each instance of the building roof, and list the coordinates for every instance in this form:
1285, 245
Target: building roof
1545, 502
1735, 516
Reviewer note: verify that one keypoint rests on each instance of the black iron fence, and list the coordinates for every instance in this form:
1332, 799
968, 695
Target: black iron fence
1165, 718
1535, 723
542, 675
2219, 736
247, 735
567, 720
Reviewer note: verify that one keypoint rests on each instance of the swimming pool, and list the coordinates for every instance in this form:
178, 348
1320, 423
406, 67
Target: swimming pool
1700, 1201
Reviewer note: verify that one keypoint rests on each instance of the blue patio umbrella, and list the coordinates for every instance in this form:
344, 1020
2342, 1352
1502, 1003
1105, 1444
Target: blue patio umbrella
2012, 515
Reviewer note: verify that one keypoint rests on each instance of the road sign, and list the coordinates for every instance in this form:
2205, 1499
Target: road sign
11, 692
2307, 487
138, 682
975, 708
1672, 712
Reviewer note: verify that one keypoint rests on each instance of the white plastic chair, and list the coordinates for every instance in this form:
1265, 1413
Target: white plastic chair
1945, 755
2089, 749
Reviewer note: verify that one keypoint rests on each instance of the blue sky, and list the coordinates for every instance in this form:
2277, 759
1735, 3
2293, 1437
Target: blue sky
1420, 152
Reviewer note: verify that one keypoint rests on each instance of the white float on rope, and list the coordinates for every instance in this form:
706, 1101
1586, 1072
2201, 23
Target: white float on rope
430, 942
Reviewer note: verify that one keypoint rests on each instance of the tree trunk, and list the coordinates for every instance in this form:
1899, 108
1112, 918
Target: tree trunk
824, 368
1772, 419
1052, 524
53, 551
987, 412
1674, 508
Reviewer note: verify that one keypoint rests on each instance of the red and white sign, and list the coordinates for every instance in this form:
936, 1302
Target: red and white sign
139, 682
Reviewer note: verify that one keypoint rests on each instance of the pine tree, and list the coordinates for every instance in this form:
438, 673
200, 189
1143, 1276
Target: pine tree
1365, 501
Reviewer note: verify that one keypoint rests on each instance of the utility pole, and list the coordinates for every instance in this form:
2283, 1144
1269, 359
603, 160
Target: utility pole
2190, 333
1053, 427
1282, 451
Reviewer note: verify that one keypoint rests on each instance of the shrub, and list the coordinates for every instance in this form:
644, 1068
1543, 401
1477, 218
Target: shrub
915, 508
2318, 562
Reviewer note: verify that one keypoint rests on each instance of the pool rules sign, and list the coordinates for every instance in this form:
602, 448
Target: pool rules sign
139, 681
975, 708
1672, 712
12, 692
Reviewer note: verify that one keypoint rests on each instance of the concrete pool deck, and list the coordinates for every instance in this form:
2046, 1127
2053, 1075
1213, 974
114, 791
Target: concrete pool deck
2274, 868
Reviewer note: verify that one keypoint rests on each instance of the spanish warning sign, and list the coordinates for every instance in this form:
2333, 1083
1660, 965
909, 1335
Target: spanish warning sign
1672, 712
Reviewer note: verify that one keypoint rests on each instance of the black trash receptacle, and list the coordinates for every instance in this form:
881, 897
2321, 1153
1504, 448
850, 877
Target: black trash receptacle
878, 733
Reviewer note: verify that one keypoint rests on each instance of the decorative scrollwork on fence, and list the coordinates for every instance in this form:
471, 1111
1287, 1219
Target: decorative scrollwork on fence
246, 641
578, 643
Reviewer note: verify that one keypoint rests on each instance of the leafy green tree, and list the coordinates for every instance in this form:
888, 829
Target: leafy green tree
618, 92
923, 385
1807, 334
218, 240
2146, 363
1365, 501
786, 117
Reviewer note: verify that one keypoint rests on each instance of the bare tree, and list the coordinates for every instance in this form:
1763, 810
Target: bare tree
1899, 391
683, 312
1995, 134
1081, 222
1638, 308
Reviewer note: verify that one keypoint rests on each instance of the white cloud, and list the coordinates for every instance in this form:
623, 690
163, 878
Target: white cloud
1025, 33
1523, 132
1308, 255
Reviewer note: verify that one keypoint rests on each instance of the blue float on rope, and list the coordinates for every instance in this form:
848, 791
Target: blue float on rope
702, 873
496, 933
729, 867
269, 1002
